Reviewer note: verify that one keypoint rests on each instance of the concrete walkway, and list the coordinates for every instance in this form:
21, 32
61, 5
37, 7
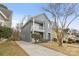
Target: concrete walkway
37, 50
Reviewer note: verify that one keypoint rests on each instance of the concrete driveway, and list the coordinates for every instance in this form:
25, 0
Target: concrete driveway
37, 50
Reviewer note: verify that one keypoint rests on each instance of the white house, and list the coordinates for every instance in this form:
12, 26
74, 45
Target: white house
5, 16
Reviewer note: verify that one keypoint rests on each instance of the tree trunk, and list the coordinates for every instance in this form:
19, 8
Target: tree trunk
60, 40
59, 37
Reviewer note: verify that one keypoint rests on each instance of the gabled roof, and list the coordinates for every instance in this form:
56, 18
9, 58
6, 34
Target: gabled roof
42, 14
5, 12
35, 17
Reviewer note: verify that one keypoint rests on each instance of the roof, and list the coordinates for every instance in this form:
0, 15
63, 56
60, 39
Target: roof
5, 12
40, 15
3, 6
35, 17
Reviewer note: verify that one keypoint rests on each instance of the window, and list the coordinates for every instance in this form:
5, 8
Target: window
48, 25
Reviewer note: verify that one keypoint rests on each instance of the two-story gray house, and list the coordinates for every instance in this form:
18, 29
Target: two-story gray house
39, 23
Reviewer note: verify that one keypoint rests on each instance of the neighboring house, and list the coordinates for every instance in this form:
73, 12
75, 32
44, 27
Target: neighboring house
40, 24
5, 16
72, 34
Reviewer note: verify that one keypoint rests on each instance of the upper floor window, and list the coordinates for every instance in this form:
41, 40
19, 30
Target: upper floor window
48, 25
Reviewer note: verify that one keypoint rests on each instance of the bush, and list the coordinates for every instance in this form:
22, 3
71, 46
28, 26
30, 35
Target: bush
5, 32
77, 41
55, 39
36, 37
71, 40
64, 41
74, 41
12, 39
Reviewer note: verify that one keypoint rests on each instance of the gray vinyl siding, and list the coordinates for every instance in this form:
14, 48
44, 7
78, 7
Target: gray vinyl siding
46, 29
26, 33
27, 29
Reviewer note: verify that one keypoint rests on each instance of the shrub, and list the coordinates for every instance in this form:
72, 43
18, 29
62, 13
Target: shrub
5, 32
71, 40
36, 37
12, 39
55, 39
64, 41
77, 41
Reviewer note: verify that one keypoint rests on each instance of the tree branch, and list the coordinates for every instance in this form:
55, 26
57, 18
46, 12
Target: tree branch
72, 20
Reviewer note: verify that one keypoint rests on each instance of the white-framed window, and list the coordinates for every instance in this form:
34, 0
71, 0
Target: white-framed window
48, 26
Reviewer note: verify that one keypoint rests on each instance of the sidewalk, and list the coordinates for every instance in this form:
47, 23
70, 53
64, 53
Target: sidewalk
37, 50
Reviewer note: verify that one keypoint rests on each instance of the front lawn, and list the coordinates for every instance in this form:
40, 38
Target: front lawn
68, 49
10, 48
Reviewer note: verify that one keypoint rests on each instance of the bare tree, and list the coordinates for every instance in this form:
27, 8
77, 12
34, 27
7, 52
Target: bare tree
61, 13
17, 32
